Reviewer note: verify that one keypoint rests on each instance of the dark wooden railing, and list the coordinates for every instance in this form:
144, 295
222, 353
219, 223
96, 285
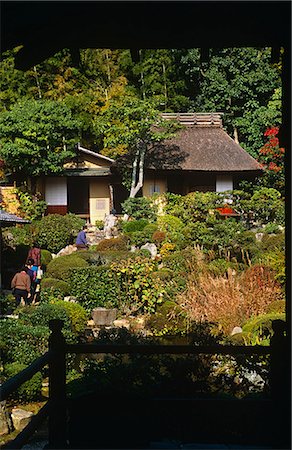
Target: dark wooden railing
55, 408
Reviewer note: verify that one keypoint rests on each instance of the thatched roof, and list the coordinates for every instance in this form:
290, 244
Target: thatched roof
200, 147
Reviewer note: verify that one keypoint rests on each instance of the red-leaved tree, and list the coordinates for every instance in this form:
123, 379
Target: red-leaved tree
271, 158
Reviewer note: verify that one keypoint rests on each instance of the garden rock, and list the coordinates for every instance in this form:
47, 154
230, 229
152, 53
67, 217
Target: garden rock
20, 418
151, 248
236, 330
104, 316
259, 236
121, 323
5, 420
67, 250
71, 299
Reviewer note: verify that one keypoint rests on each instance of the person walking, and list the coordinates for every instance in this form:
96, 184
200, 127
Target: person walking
81, 241
35, 254
20, 285
31, 270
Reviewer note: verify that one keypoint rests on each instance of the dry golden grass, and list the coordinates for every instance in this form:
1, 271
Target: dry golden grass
231, 300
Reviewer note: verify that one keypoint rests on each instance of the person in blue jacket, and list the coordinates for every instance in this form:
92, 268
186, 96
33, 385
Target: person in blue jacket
81, 241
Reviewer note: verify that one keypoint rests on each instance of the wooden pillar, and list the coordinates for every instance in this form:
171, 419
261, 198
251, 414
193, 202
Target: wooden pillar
57, 387
280, 386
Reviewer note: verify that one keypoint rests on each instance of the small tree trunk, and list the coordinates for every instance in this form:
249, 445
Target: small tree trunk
235, 135
139, 159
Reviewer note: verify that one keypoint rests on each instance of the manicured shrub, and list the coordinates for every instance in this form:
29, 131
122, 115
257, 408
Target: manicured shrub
61, 267
91, 256
55, 231
168, 319
119, 243
56, 286
46, 257
267, 206
21, 342
272, 242
77, 315
30, 390
42, 314
158, 237
192, 207
219, 267
261, 326
134, 225
140, 208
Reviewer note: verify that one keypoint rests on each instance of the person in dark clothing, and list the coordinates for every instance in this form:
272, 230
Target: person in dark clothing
35, 254
31, 270
81, 241
21, 286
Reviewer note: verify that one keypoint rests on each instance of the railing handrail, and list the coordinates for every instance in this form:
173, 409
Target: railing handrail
155, 349
9, 386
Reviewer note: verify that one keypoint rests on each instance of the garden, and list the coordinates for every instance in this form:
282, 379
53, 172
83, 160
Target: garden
176, 272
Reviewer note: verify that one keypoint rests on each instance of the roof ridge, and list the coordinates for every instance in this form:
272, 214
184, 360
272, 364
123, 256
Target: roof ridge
199, 119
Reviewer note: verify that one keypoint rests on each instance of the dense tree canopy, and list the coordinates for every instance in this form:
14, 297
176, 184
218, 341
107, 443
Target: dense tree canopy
44, 109
37, 137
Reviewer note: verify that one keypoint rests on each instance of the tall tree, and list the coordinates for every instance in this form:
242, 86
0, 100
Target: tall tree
37, 137
131, 128
240, 82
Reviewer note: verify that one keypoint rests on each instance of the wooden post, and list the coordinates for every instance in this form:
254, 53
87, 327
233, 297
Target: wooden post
57, 387
280, 385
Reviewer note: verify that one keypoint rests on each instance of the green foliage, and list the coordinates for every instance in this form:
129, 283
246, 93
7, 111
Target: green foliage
259, 329
77, 315
55, 286
241, 82
7, 303
218, 267
117, 244
61, 266
168, 319
30, 390
134, 225
37, 137
139, 291
94, 287
267, 205
193, 207
21, 342
99, 224
272, 228
30, 204
140, 208
55, 231
46, 257
42, 314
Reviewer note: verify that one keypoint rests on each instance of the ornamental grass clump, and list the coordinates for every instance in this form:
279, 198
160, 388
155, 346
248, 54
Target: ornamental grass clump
229, 301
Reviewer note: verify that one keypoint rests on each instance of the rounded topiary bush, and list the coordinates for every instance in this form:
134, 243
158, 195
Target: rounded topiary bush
119, 243
55, 285
60, 267
134, 225
77, 315
56, 231
261, 325
168, 319
46, 257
